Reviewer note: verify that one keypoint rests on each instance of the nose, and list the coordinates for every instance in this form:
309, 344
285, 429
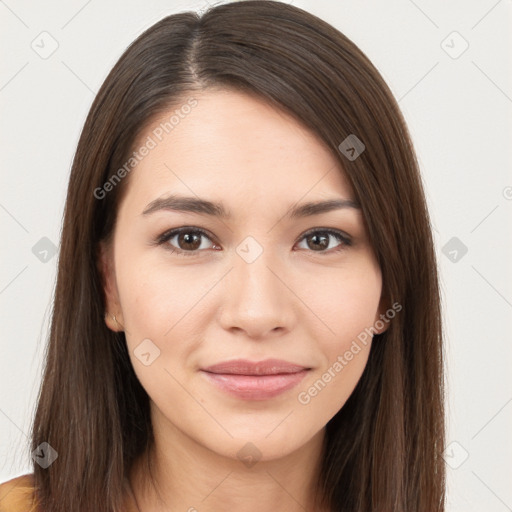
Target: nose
256, 299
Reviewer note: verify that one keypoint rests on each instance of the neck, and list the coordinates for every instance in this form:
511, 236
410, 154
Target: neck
177, 473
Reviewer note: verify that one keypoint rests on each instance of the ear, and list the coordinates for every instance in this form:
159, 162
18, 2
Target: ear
106, 269
381, 321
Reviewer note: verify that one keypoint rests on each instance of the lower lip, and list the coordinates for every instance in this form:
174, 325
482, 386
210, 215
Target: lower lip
255, 387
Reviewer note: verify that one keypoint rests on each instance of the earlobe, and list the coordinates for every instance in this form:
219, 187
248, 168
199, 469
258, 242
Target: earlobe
113, 315
112, 323
381, 323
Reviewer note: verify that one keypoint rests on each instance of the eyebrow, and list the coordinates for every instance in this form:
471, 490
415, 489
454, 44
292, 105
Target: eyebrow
205, 207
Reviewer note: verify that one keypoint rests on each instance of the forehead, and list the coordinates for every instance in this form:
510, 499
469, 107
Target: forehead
232, 146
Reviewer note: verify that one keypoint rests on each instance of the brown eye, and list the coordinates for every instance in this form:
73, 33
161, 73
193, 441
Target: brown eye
184, 241
189, 241
320, 240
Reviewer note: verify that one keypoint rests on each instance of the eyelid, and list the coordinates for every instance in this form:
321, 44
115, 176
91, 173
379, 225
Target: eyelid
346, 238
188, 229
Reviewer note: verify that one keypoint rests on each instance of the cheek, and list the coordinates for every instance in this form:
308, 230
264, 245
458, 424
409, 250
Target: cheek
155, 307
347, 302
347, 306
166, 305
344, 354
155, 296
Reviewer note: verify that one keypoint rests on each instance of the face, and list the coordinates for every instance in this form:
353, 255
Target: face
193, 289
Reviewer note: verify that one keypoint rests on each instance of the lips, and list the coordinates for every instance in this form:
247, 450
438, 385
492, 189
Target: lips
249, 380
245, 367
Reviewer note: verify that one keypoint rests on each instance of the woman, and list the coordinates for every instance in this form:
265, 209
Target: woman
247, 311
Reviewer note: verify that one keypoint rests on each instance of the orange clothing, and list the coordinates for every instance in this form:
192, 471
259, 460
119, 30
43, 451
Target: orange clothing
17, 495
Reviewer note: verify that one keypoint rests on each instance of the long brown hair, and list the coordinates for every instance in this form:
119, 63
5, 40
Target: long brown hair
383, 448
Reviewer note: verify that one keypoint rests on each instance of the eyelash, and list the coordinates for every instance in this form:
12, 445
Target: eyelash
165, 237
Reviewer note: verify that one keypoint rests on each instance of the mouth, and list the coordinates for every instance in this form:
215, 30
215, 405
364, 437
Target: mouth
255, 380
246, 367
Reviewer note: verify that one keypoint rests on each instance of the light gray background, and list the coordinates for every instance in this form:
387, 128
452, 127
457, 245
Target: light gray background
458, 108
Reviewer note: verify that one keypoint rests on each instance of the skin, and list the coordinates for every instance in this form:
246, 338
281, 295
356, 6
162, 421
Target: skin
295, 302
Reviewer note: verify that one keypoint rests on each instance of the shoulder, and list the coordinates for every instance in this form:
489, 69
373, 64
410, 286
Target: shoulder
17, 494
